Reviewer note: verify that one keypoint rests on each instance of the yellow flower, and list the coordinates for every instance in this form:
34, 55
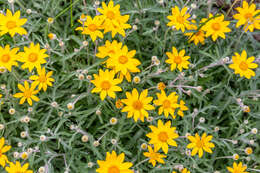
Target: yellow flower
105, 84
237, 168
177, 59
113, 20
199, 144
182, 108
17, 167
109, 49
215, 26
43, 80
124, 62
243, 65
114, 164
185, 170
8, 57
154, 156
161, 86
136, 105
119, 104
167, 104
27, 93
179, 18
32, 57
162, 136
3, 149
248, 16
197, 36
92, 27
11, 24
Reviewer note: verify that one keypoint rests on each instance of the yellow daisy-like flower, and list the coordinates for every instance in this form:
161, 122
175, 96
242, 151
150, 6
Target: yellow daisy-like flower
248, 16
114, 22
136, 105
11, 24
114, 164
27, 93
197, 36
43, 80
182, 108
237, 168
185, 170
199, 144
167, 104
3, 149
179, 19
109, 49
163, 135
154, 156
105, 84
243, 65
92, 27
17, 167
32, 57
8, 57
215, 27
124, 62
177, 59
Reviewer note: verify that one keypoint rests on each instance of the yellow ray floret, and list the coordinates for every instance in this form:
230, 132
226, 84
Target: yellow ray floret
3, 149
237, 168
114, 164
137, 105
17, 167
105, 84
162, 135
154, 156
11, 24
243, 65
8, 57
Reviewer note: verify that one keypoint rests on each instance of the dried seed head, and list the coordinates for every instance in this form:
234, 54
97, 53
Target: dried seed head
70, 106
248, 150
42, 138
96, 143
81, 77
23, 134
98, 112
24, 155
113, 141
235, 156
11, 111
28, 11
41, 170
254, 131
2, 126
54, 104
136, 79
50, 20
16, 155
84, 138
113, 121
135, 27
143, 146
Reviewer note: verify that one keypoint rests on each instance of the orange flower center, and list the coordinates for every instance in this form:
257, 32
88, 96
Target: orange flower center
113, 169
180, 19
105, 85
42, 78
177, 60
166, 104
33, 57
138, 105
163, 137
92, 27
110, 15
198, 33
27, 93
248, 16
111, 51
216, 26
243, 66
123, 59
200, 144
11, 24
5, 58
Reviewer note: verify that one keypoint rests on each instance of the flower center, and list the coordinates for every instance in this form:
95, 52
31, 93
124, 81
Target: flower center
105, 85
5, 58
42, 78
177, 59
92, 27
163, 137
27, 93
216, 26
110, 15
138, 105
113, 169
243, 66
123, 59
198, 33
180, 19
11, 24
166, 104
248, 16
33, 57
200, 144
111, 51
